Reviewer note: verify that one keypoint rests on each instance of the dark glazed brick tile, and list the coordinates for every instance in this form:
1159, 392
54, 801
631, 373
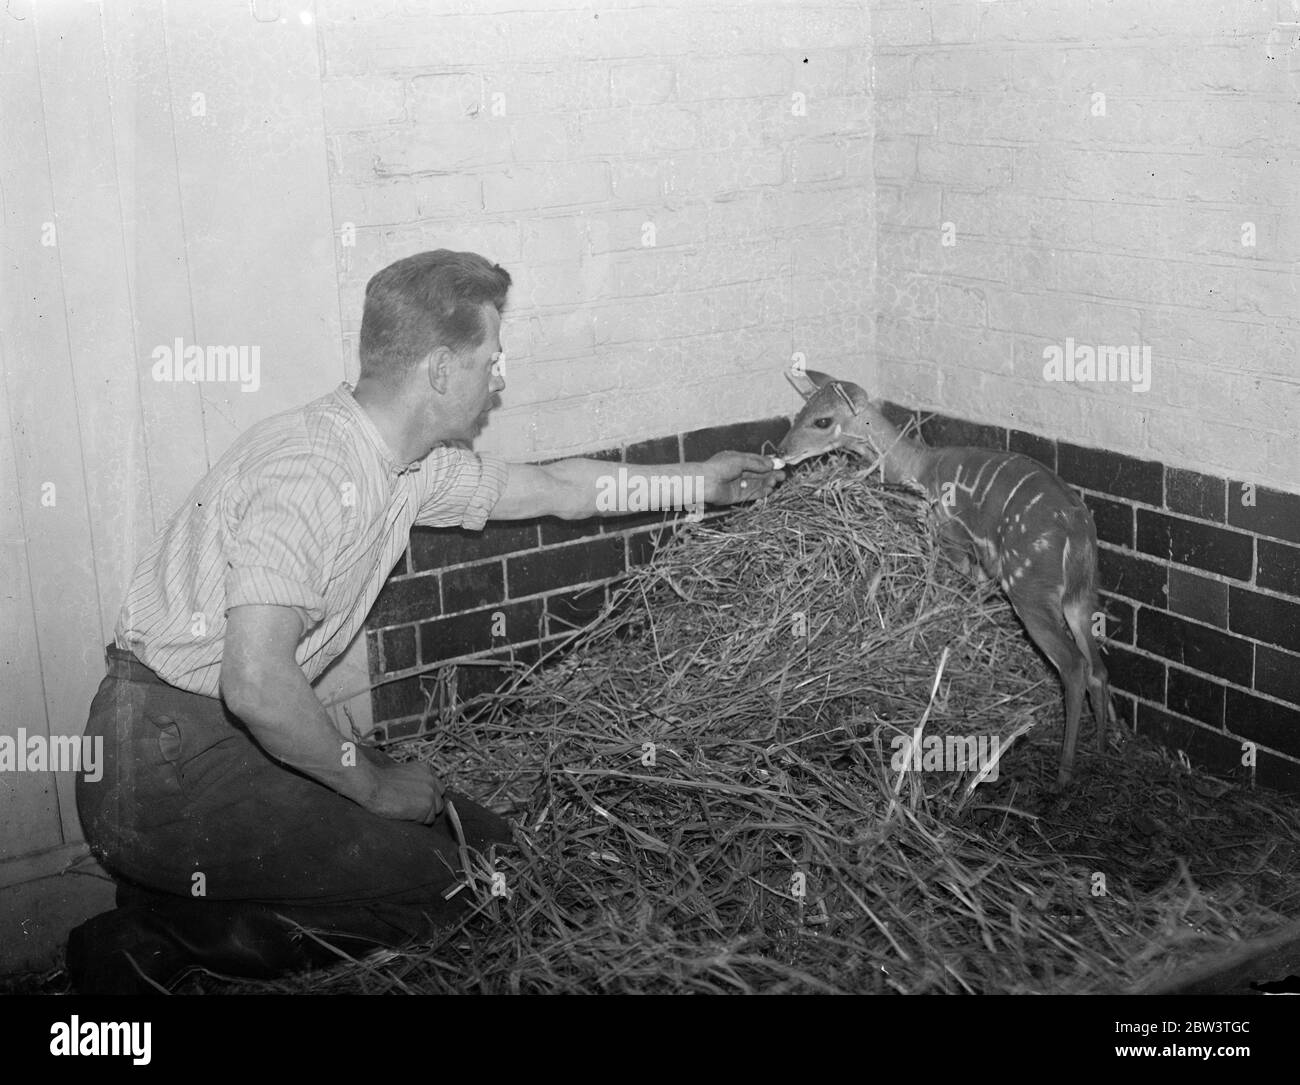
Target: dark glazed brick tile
398, 650
1119, 619
640, 548
465, 634
643, 519
395, 699
612, 455
1276, 621
1198, 597
700, 444
405, 728
1191, 695
569, 610
1278, 567
1277, 674
1123, 574
438, 547
473, 586
1278, 773
1196, 646
1188, 542
1265, 722
1113, 519
1134, 673
1111, 473
942, 431
1210, 749
544, 570
471, 681
658, 450
555, 530
407, 600
1042, 449
1274, 513
641, 545
1194, 494
374, 652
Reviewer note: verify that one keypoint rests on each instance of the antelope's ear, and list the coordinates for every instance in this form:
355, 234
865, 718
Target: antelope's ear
807, 381
842, 391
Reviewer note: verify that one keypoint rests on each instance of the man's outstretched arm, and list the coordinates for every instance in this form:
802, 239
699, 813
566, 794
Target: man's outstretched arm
578, 488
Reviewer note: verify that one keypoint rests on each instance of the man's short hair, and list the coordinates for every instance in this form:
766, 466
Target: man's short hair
425, 301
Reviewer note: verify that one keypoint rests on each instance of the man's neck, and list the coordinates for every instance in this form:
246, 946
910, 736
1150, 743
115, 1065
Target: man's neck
398, 429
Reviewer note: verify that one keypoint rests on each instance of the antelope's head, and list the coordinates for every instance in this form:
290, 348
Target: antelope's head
836, 414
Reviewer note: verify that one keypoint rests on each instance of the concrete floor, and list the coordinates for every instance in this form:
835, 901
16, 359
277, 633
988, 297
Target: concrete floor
42, 897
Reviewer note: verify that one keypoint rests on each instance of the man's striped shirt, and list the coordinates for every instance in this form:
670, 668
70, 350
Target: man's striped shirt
308, 509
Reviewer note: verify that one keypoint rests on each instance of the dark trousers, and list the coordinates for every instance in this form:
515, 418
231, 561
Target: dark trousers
187, 800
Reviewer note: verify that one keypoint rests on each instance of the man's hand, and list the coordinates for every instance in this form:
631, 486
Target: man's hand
738, 476
407, 792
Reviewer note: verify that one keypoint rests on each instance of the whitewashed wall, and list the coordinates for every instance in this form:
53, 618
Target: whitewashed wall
163, 178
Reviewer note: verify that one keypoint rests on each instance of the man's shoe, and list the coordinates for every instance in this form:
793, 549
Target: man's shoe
140, 949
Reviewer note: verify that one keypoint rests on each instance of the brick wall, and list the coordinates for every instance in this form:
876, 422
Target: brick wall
682, 193
1200, 579
1119, 172
1108, 222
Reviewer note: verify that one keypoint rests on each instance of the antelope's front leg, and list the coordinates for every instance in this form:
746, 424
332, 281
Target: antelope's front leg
955, 543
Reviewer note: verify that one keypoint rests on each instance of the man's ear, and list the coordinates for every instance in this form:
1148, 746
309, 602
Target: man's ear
439, 362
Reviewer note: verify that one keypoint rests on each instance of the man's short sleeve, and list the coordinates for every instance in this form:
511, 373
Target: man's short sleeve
283, 536
464, 488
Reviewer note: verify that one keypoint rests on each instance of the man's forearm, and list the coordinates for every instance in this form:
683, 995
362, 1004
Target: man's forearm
601, 488
283, 713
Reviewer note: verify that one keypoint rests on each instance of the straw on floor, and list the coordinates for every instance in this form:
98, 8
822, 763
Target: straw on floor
709, 797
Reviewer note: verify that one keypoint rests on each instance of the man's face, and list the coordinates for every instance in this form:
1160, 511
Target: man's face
476, 378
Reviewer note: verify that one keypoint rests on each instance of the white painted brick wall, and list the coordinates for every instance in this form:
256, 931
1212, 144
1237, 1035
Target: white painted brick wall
683, 193
1117, 229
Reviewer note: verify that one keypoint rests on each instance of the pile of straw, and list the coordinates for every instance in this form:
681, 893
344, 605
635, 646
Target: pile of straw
703, 790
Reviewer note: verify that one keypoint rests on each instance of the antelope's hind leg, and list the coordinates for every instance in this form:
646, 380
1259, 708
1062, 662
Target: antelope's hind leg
1048, 630
1079, 615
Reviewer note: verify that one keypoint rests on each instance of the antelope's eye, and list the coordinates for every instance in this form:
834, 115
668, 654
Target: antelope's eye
822, 423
